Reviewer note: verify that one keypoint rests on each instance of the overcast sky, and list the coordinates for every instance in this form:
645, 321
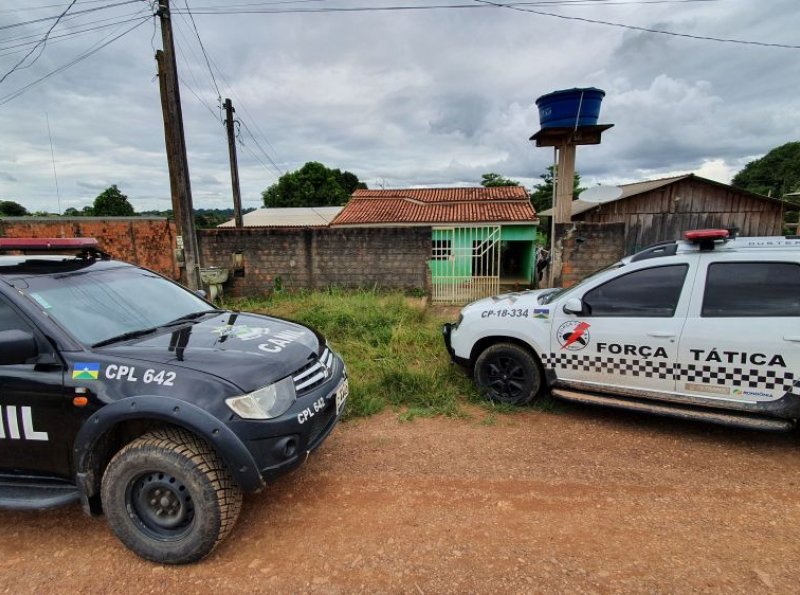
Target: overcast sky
400, 98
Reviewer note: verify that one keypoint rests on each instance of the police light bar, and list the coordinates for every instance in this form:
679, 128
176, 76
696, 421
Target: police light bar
698, 235
48, 244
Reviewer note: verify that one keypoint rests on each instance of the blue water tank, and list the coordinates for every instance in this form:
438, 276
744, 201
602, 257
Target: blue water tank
570, 107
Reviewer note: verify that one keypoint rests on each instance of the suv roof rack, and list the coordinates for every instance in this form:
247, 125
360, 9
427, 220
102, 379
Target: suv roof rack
667, 248
86, 248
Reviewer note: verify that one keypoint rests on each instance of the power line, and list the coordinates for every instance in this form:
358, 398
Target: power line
74, 14
11, 96
189, 64
635, 28
47, 6
203, 48
10, 49
228, 10
250, 132
41, 42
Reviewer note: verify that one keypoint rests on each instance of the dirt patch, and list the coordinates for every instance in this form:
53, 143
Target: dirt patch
585, 500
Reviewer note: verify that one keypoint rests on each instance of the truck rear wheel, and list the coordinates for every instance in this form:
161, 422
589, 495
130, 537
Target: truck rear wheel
168, 497
507, 373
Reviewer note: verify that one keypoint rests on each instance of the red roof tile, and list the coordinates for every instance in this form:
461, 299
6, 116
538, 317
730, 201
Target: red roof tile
448, 194
437, 206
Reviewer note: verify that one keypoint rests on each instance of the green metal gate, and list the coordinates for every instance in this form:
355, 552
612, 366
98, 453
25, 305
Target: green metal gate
465, 263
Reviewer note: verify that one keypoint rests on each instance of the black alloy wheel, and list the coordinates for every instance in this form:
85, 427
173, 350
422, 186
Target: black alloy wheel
508, 373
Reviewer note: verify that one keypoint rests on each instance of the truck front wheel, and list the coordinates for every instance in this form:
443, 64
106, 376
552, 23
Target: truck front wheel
507, 373
168, 497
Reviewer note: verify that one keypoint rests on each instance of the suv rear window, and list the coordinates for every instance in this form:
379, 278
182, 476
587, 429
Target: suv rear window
752, 289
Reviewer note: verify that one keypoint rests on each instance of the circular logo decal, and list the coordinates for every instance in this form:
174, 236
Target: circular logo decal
573, 335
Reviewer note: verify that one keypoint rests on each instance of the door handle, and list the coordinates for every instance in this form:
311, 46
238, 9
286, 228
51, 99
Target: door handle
661, 334
793, 338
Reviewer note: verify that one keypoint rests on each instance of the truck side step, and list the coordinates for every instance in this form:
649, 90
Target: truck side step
740, 420
35, 493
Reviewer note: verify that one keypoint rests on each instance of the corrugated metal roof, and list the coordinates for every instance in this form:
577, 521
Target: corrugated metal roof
288, 217
581, 206
503, 204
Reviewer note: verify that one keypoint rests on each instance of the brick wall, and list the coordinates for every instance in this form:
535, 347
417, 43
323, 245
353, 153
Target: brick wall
316, 258
583, 248
146, 241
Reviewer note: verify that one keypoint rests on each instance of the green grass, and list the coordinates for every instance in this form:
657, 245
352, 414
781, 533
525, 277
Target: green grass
392, 345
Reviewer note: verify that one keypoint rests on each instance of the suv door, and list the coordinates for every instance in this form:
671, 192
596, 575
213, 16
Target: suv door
742, 337
626, 338
32, 406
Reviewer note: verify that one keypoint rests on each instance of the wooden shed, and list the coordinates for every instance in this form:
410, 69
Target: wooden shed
660, 210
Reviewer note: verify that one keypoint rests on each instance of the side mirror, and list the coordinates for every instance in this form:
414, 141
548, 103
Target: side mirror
16, 347
573, 306
201, 293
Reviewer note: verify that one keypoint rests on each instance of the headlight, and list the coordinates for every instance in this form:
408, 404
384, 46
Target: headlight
265, 403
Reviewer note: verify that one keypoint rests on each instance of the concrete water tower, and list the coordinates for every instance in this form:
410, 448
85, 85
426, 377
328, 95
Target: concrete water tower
568, 118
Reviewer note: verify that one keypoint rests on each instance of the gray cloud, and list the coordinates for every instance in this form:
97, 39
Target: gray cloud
403, 98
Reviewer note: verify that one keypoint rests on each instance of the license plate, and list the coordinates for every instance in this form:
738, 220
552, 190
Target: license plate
341, 395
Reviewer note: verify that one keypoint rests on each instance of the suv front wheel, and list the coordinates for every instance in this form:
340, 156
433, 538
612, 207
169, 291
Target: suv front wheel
507, 373
169, 498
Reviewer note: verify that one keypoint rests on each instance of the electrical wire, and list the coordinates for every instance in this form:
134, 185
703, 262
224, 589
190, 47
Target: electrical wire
203, 48
86, 54
42, 42
54, 39
73, 14
635, 28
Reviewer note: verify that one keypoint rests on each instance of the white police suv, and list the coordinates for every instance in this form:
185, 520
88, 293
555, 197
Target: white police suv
126, 392
705, 328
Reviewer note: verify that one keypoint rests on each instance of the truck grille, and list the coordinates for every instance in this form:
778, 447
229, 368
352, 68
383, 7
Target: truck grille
314, 373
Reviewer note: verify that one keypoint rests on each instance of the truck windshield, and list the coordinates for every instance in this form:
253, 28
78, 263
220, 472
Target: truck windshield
95, 306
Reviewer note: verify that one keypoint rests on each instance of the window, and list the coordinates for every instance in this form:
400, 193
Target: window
441, 250
646, 293
10, 320
752, 289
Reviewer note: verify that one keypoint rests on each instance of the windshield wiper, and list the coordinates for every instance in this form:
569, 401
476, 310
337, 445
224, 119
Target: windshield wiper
125, 336
191, 316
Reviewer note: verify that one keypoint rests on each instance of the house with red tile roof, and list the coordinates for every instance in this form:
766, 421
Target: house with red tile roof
480, 236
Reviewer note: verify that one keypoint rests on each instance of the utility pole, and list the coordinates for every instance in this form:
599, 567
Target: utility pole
176, 150
237, 195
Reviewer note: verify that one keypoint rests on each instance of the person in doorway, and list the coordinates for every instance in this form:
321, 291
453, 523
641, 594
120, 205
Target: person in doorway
542, 261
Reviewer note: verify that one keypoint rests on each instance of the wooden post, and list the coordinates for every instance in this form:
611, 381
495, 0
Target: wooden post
237, 195
176, 150
565, 175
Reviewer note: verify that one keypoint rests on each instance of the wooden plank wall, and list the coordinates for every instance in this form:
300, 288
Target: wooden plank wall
665, 213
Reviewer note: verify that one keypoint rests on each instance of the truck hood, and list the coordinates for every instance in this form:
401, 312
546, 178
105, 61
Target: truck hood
248, 350
516, 299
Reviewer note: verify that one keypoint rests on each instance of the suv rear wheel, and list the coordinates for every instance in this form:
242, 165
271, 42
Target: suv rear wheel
507, 373
169, 498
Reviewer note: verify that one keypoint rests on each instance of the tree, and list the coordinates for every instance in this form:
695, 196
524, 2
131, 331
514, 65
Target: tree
9, 208
313, 185
492, 180
112, 203
542, 194
775, 174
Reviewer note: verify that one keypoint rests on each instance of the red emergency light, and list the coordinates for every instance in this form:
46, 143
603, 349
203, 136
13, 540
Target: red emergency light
47, 244
697, 235
706, 238
81, 247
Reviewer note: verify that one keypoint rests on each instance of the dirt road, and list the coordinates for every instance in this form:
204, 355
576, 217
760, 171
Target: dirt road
585, 500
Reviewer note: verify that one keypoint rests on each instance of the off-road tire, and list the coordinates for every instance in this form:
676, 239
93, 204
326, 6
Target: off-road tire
167, 478
507, 373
